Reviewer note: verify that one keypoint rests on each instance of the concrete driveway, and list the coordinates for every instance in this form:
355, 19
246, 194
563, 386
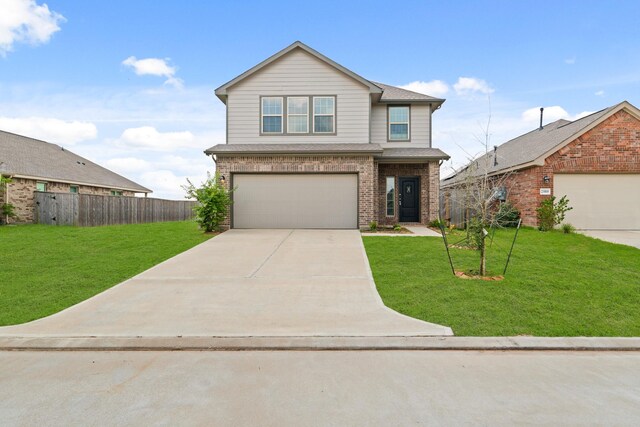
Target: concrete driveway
244, 283
623, 237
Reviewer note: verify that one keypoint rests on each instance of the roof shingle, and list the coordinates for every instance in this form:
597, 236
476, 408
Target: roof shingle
532, 145
24, 156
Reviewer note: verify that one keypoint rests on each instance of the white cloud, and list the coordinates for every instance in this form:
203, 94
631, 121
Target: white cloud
436, 88
551, 114
126, 165
470, 85
149, 138
49, 129
24, 21
599, 93
154, 67
168, 184
570, 61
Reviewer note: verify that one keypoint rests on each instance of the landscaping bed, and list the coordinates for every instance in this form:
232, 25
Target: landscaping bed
44, 269
556, 285
387, 230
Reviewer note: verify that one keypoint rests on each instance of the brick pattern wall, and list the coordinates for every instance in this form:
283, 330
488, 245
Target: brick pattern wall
611, 147
429, 186
20, 194
363, 165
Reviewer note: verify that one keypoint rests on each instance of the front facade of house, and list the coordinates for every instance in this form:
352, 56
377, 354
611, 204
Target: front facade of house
310, 144
33, 165
594, 161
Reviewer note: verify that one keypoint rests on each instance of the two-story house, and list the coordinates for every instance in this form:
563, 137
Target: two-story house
311, 144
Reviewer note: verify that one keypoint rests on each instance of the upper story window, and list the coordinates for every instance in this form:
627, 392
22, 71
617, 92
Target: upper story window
297, 114
300, 114
324, 114
272, 114
399, 123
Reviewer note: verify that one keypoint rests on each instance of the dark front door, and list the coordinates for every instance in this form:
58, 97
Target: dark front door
409, 199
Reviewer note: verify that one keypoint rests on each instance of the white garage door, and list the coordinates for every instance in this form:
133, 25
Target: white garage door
601, 201
295, 201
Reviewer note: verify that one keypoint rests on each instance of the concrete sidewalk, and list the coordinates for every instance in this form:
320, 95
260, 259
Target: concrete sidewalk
622, 237
320, 388
243, 283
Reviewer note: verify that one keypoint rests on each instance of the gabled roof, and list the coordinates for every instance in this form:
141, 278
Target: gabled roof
221, 92
388, 93
26, 157
396, 94
533, 147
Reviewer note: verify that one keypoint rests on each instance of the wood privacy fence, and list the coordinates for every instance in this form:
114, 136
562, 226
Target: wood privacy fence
91, 210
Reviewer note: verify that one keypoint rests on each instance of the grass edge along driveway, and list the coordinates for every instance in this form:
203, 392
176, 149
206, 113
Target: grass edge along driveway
45, 269
556, 285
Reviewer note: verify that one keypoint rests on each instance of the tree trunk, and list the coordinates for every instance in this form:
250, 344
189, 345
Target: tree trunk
483, 257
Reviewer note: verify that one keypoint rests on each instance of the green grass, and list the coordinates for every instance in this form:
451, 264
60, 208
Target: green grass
557, 285
44, 269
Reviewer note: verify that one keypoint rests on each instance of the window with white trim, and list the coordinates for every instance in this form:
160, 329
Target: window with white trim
399, 118
297, 114
391, 196
41, 186
324, 114
272, 109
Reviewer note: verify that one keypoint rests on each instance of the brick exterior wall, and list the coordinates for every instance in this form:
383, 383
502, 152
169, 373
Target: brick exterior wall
363, 165
429, 175
611, 147
20, 194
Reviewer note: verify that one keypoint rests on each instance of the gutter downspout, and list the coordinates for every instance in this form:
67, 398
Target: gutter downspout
6, 198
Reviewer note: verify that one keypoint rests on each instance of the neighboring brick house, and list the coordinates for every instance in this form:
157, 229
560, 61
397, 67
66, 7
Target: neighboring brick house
311, 144
35, 165
594, 161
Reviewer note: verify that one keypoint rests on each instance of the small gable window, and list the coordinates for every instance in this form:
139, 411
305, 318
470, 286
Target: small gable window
324, 114
272, 114
399, 126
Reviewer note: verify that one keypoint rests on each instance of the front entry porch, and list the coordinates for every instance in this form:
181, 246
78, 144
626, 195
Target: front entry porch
407, 192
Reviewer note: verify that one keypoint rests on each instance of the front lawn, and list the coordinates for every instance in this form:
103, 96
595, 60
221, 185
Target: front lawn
44, 269
557, 285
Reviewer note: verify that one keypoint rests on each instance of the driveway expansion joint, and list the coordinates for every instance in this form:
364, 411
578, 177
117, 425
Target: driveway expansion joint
316, 343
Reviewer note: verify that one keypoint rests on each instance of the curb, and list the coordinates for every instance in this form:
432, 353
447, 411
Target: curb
310, 343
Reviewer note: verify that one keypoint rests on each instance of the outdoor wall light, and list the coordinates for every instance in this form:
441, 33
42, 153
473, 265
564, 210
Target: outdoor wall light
546, 179
223, 179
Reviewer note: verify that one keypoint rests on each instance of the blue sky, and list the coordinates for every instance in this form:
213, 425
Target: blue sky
129, 84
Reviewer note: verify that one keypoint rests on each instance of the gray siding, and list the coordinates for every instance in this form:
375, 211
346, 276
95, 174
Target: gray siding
298, 73
420, 125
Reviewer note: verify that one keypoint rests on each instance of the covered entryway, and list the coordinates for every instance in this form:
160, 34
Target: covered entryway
601, 201
295, 200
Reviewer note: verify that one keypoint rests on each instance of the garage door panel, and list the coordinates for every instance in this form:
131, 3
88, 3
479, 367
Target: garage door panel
295, 200
601, 201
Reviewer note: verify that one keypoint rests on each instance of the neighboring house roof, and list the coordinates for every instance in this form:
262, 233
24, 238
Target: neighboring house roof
395, 94
388, 93
533, 147
376, 150
25, 157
